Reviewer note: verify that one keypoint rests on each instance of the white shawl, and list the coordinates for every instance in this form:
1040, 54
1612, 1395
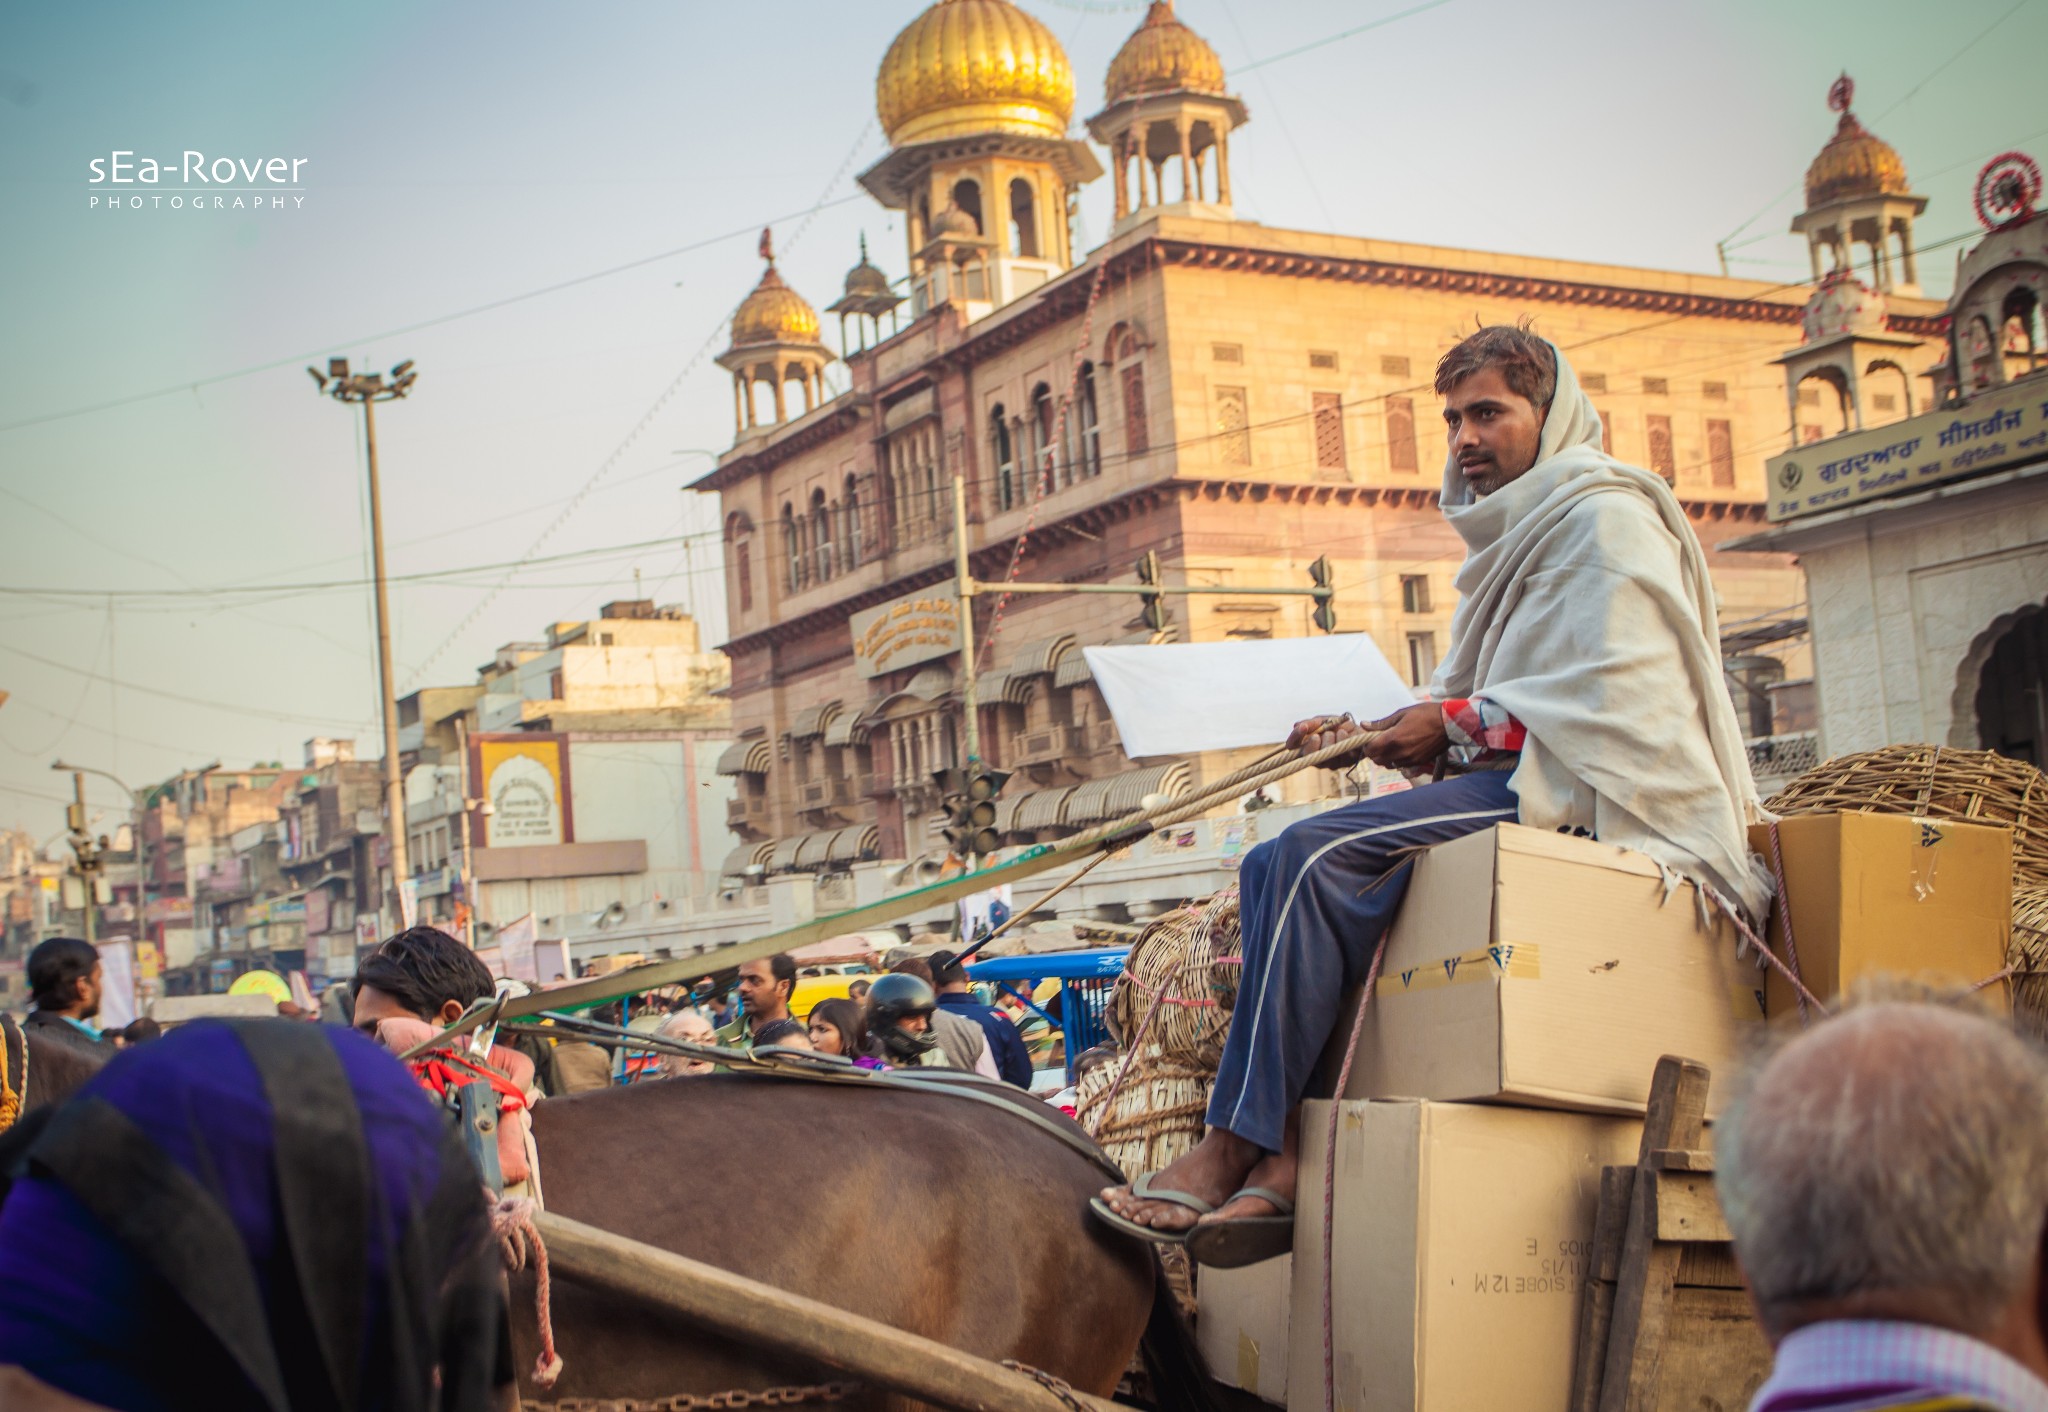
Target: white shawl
1587, 613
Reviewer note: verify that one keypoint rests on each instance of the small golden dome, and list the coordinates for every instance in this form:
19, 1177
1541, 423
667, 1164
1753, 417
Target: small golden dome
866, 280
1856, 162
1163, 56
773, 313
974, 66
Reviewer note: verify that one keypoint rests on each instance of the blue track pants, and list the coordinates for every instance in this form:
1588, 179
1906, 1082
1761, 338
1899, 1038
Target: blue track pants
1315, 904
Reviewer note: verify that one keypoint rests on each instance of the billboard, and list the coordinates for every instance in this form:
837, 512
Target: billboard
526, 779
914, 628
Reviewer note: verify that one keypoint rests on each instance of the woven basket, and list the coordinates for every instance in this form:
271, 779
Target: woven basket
1155, 1114
1932, 781
1180, 982
2028, 957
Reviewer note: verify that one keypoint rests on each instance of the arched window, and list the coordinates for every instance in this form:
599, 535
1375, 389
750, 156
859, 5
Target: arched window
967, 196
792, 547
821, 536
1003, 454
739, 533
854, 534
1023, 220
1090, 420
1043, 450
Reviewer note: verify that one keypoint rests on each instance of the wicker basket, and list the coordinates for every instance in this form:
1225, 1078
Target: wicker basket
1180, 982
1931, 781
2028, 957
1154, 1116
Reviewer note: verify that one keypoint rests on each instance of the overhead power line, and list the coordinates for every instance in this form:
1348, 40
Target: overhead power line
289, 717
324, 349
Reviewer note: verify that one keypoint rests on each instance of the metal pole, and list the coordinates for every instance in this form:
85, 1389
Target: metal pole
468, 872
85, 874
965, 586
394, 786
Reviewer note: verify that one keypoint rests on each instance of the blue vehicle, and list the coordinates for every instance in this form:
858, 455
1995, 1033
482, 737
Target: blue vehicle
1086, 979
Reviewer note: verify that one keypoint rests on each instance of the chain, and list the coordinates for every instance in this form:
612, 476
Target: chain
1058, 1387
705, 1402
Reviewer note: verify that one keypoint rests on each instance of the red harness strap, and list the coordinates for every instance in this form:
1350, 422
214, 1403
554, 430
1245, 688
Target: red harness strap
441, 1071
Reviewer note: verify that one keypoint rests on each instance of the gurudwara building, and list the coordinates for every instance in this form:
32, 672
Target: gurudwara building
1236, 398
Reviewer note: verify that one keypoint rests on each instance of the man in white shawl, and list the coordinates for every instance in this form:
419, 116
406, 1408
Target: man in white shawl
1582, 691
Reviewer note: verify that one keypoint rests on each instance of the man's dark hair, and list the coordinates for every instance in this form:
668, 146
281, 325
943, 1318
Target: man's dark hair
947, 970
423, 969
56, 967
914, 966
782, 966
1526, 362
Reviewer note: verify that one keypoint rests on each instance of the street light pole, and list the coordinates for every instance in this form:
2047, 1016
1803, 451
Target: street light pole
141, 845
370, 389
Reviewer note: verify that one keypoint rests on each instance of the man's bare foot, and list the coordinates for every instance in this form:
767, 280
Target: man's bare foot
1276, 1172
1216, 1168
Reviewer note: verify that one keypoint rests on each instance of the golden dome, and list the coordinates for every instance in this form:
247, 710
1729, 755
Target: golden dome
974, 66
866, 280
1163, 56
773, 313
1855, 162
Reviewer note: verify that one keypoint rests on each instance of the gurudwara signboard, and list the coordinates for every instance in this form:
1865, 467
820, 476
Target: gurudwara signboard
1999, 428
914, 628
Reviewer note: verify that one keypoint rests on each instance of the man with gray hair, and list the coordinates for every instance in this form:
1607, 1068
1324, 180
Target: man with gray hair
1885, 1175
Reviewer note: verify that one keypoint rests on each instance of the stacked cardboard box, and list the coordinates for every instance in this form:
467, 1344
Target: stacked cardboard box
1530, 985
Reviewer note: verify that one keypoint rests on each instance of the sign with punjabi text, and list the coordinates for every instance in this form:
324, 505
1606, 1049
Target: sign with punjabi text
2003, 427
914, 628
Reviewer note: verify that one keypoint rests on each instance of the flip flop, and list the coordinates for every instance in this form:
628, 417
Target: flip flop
1238, 1241
1143, 1189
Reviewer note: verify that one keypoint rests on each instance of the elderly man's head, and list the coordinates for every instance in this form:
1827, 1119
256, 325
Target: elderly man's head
1892, 1163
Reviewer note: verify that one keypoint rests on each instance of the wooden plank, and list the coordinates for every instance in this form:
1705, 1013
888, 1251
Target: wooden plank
1685, 1207
1682, 1159
1674, 1119
1715, 1354
1596, 1312
777, 1320
1705, 1266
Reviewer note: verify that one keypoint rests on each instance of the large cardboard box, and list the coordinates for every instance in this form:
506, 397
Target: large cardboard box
1461, 1248
1241, 1325
1876, 894
1531, 967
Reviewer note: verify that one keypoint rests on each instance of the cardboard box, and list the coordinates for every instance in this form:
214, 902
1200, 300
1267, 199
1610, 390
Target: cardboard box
1874, 894
1241, 1325
1461, 1247
1535, 968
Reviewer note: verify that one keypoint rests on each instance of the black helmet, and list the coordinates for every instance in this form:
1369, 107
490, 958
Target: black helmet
893, 998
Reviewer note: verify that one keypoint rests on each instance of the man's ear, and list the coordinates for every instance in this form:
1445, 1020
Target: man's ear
450, 1012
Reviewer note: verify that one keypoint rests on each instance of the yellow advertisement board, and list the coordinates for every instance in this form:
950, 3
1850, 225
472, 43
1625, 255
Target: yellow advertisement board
525, 778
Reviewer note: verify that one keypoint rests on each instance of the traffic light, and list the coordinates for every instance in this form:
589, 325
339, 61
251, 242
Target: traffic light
970, 803
1320, 575
1149, 592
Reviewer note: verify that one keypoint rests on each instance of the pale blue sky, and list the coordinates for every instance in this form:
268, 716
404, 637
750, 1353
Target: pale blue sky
461, 154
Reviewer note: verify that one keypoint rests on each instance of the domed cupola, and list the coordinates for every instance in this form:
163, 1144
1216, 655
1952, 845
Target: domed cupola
976, 97
774, 340
1857, 197
1168, 108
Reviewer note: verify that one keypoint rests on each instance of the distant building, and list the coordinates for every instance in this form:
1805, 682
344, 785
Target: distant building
1922, 521
574, 782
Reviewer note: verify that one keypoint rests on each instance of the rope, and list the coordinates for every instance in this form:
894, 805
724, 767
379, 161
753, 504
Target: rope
1130, 1057
1785, 914
512, 1224
1329, 1253
1991, 980
1058, 1387
1806, 997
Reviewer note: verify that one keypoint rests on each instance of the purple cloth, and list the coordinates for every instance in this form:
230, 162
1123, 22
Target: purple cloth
84, 1313
1859, 1365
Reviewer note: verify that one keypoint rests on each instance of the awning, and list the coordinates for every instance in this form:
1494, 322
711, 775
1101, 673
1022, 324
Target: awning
930, 684
811, 722
1007, 687
746, 855
746, 757
1042, 656
1039, 809
854, 844
843, 727
1113, 796
810, 852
